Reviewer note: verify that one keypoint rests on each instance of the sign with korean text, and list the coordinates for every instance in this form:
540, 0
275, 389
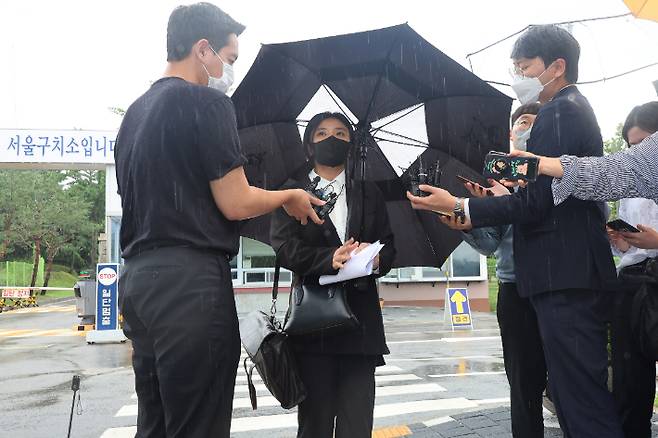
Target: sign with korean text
107, 296
15, 293
56, 146
460, 310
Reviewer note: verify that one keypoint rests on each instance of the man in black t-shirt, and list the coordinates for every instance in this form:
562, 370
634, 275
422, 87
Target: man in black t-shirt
183, 189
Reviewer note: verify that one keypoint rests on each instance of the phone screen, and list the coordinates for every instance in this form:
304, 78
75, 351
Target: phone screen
500, 166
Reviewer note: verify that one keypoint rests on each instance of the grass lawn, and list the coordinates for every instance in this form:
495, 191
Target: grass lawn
58, 278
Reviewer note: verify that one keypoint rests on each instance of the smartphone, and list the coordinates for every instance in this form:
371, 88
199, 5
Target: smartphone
620, 225
501, 166
466, 180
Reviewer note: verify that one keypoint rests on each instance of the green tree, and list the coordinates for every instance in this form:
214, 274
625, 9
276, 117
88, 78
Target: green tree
68, 224
611, 146
13, 192
89, 186
35, 217
616, 143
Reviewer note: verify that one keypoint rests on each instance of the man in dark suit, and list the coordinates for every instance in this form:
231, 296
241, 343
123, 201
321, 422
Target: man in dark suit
562, 256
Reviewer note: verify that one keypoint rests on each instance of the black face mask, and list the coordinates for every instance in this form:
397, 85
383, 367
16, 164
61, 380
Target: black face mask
331, 151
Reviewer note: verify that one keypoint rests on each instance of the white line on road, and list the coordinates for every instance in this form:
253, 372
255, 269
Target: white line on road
449, 358
120, 432
475, 373
281, 421
450, 340
387, 410
267, 400
382, 391
378, 378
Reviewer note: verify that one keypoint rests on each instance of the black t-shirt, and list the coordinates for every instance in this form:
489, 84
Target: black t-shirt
173, 141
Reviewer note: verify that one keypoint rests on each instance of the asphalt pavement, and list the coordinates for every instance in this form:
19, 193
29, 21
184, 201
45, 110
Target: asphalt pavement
436, 383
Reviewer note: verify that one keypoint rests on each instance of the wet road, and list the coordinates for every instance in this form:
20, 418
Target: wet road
431, 373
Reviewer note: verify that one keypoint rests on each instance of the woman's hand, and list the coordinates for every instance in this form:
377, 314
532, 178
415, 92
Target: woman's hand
647, 238
344, 253
617, 240
375, 261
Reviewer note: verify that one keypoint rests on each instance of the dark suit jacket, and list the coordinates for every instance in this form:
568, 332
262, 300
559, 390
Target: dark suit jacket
307, 250
563, 247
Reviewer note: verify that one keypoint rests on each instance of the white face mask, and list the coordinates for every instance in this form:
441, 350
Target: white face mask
521, 139
528, 89
223, 83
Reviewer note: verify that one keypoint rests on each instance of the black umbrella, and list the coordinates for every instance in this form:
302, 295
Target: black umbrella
382, 77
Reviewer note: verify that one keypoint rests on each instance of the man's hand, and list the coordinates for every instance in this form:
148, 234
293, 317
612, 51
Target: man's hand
617, 240
364, 245
300, 206
438, 200
344, 253
647, 238
495, 189
456, 224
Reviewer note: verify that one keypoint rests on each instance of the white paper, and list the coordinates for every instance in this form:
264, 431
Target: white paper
360, 265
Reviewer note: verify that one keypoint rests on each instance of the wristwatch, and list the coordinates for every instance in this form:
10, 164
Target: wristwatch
458, 211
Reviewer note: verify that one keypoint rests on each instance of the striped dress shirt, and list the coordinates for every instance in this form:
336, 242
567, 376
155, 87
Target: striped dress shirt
632, 173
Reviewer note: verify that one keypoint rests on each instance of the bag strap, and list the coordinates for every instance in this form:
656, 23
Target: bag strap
252, 389
275, 286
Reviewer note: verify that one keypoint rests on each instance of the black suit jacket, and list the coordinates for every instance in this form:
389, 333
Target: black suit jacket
307, 250
563, 247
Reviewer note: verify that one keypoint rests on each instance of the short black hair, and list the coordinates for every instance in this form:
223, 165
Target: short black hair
191, 23
313, 125
644, 117
528, 108
549, 42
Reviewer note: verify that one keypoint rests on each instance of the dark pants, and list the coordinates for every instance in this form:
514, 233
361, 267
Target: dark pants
574, 336
634, 375
179, 312
340, 388
524, 361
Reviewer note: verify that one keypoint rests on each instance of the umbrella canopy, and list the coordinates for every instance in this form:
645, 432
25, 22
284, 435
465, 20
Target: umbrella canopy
647, 9
380, 78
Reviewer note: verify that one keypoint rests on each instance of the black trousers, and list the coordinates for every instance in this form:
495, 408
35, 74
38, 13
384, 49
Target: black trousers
340, 391
574, 334
524, 361
634, 375
179, 313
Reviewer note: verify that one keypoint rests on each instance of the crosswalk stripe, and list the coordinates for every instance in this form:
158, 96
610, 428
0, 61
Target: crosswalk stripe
449, 340
268, 400
120, 432
378, 378
475, 373
280, 421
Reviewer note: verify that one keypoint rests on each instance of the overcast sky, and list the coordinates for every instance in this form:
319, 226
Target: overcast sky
65, 62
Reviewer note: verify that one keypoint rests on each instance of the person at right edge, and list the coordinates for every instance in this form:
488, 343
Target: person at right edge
633, 374
562, 255
338, 369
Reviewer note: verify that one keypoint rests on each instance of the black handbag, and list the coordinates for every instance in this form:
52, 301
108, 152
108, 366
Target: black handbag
315, 308
269, 350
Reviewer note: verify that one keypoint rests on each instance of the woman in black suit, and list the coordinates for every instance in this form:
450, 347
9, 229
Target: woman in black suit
338, 370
